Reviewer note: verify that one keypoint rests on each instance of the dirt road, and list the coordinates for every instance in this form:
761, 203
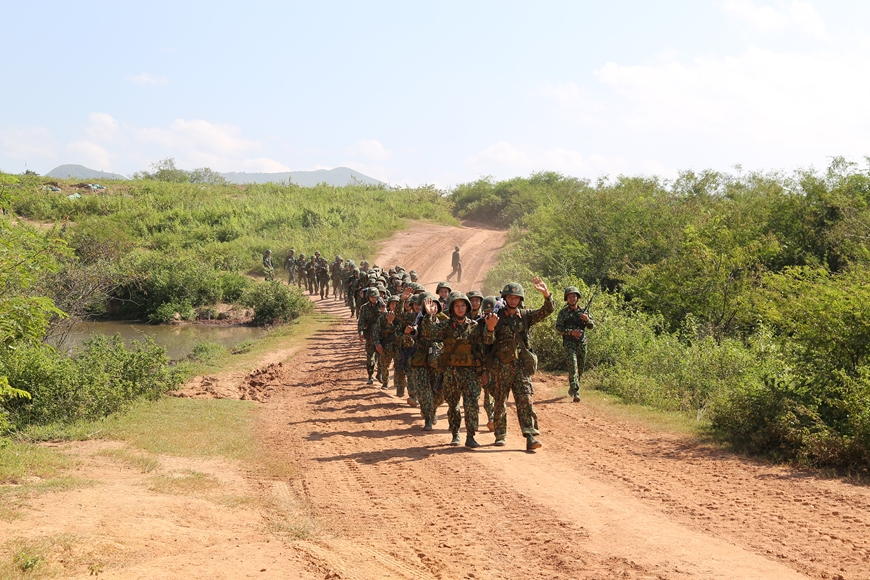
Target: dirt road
374, 496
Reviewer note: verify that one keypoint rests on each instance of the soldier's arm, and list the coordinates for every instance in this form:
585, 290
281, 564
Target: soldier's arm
560, 323
361, 322
540, 314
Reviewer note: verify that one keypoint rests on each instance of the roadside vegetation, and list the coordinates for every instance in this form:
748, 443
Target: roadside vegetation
741, 300
170, 245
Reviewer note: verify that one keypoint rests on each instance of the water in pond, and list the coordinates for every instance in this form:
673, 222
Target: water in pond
178, 340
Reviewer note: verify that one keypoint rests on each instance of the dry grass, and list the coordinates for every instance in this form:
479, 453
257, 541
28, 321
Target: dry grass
186, 482
145, 463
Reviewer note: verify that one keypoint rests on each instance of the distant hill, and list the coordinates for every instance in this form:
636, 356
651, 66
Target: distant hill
80, 172
338, 176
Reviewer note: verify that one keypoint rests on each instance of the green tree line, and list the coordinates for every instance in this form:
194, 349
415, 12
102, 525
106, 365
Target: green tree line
741, 299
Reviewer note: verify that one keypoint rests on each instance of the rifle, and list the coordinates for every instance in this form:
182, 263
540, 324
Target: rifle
591, 298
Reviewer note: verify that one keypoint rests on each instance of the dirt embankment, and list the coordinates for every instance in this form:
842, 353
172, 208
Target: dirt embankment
374, 496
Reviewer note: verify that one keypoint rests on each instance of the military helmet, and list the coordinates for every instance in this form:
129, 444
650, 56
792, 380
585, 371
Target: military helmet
268, 251
513, 289
372, 293
475, 294
301, 255
381, 303
356, 270
413, 298
317, 254
292, 251
393, 298
456, 248
456, 297
488, 304
443, 285
422, 298
339, 258
412, 273
418, 288
571, 290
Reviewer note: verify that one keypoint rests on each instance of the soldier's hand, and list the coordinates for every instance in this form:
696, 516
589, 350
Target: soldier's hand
484, 378
380, 349
409, 329
575, 333
491, 320
429, 306
390, 317
407, 293
540, 286
584, 317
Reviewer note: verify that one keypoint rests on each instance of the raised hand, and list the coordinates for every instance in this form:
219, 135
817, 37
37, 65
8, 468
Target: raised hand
390, 317
540, 286
407, 293
429, 306
491, 321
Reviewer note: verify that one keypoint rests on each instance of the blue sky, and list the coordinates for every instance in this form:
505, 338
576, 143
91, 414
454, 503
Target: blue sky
442, 93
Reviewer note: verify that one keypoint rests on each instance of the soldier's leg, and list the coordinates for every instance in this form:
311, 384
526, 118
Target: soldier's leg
452, 390
470, 398
459, 273
521, 387
500, 389
489, 405
370, 358
384, 361
573, 378
399, 381
423, 385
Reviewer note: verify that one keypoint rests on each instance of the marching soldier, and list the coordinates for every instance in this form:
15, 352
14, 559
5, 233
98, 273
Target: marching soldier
572, 323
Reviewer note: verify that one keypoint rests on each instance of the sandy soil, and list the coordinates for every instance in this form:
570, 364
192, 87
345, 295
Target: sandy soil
374, 496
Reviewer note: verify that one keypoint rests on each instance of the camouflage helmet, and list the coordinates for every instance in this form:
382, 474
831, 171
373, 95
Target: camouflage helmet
393, 298
488, 304
571, 290
443, 285
422, 298
381, 287
364, 264
292, 251
457, 297
452, 294
418, 288
317, 254
301, 256
372, 293
474, 294
412, 273
513, 289
356, 271
339, 258
381, 303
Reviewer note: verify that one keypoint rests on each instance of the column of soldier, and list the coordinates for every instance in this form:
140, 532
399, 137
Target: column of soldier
449, 346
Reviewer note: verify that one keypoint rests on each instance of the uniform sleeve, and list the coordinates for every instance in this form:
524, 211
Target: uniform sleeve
536, 316
432, 329
376, 329
560, 322
360, 323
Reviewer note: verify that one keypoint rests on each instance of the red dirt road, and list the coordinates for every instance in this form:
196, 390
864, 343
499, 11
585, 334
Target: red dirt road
602, 499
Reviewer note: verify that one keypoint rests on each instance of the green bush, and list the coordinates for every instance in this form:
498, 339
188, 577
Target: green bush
207, 351
274, 302
102, 378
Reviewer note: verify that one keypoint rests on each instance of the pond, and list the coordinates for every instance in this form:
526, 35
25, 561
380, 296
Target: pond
178, 340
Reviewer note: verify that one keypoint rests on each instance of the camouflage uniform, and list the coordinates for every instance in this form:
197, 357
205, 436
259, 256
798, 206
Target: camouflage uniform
290, 264
387, 335
301, 278
268, 270
462, 368
567, 321
311, 275
423, 377
336, 271
509, 375
368, 316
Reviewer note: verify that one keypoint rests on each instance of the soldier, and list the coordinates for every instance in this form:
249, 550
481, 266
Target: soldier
443, 291
413, 275
268, 270
463, 371
290, 266
456, 264
423, 375
368, 314
408, 316
572, 323
387, 332
335, 270
301, 265
510, 338
311, 274
354, 285
487, 305
475, 297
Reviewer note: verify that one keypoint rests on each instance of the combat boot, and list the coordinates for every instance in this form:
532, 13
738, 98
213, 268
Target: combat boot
499, 441
455, 441
532, 443
576, 398
384, 386
412, 402
428, 425
370, 381
470, 442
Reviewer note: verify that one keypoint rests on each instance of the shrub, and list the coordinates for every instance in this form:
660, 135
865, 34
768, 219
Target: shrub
274, 302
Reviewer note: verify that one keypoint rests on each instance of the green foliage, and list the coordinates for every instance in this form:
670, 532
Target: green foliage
739, 299
99, 380
207, 351
274, 302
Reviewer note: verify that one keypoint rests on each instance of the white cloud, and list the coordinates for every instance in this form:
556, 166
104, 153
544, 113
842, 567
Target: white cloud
504, 159
769, 19
103, 127
371, 150
147, 79
28, 143
90, 154
263, 165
